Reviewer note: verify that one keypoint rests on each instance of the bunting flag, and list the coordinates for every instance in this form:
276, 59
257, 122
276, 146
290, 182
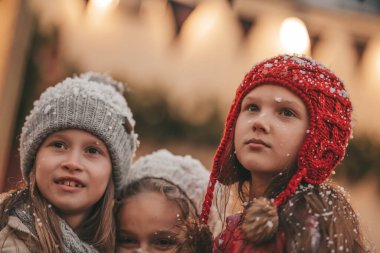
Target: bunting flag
245, 24
180, 12
360, 45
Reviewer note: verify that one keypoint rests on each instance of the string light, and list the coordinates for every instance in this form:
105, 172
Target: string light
104, 4
294, 37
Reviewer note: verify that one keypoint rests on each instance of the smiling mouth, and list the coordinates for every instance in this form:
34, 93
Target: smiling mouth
70, 183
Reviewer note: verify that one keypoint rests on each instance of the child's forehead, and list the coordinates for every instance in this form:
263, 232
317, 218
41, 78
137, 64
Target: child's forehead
275, 92
152, 207
147, 196
270, 88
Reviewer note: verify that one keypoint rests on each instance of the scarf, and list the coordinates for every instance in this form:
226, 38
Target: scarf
71, 241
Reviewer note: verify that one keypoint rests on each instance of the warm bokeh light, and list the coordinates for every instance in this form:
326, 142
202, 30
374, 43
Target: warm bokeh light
294, 36
104, 4
202, 21
206, 48
264, 36
377, 61
99, 10
371, 63
334, 49
100, 13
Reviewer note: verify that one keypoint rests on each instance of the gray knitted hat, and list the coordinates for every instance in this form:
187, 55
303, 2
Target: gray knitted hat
91, 102
184, 171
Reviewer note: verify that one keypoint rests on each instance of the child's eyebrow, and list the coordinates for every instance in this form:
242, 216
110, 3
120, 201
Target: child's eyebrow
277, 99
97, 143
65, 137
124, 231
281, 100
165, 233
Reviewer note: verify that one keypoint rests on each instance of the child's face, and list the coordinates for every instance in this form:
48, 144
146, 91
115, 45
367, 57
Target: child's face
148, 223
73, 168
270, 130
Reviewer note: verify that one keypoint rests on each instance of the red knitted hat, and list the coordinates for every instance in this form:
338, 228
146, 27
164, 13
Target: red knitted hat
329, 129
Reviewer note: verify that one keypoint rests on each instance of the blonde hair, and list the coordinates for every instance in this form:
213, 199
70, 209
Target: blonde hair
46, 222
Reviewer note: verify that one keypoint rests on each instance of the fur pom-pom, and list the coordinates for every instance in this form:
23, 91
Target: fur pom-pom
105, 79
260, 222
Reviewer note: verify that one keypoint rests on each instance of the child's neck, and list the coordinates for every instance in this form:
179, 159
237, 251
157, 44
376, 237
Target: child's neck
73, 220
259, 185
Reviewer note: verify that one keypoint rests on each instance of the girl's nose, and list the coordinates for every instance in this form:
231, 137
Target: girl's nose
142, 249
261, 123
73, 161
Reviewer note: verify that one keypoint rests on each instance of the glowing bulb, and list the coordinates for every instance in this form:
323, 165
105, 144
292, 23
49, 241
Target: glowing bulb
371, 62
205, 23
203, 20
100, 10
104, 4
294, 36
377, 60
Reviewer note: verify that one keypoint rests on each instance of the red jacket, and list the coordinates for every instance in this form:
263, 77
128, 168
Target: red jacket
232, 240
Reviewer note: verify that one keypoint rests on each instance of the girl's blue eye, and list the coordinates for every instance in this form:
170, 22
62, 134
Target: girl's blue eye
164, 243
287, 112
253, 108
127, 242
58, 145
93, 150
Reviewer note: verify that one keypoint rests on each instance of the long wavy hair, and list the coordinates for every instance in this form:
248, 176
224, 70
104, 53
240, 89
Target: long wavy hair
196, 238
317, 218
98, 229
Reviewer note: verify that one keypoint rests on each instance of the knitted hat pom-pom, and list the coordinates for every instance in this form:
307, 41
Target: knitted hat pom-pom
260, 222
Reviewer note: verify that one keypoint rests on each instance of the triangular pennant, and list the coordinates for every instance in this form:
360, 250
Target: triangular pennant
181, 12
245, 24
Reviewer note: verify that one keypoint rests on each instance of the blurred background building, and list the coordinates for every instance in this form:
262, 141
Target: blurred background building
182, 61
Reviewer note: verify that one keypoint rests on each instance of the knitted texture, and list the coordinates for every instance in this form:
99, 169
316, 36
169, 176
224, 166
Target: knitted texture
71, 241
91, 102
329, 110
184, 171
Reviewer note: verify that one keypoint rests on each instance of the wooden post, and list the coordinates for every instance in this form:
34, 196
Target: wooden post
15, 37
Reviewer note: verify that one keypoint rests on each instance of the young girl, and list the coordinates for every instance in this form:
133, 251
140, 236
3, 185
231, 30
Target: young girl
286, 131
76, 148
159, 207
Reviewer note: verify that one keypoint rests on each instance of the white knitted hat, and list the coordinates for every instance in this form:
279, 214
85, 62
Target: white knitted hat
184, 171
91, 102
